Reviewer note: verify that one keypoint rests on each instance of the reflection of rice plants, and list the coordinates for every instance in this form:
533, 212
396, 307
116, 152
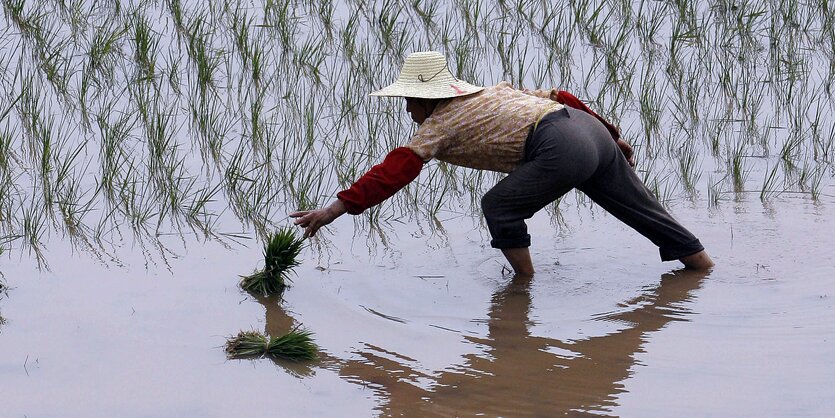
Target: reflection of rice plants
280, 256
296, 345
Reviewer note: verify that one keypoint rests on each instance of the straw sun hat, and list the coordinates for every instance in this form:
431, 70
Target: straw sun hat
425, 75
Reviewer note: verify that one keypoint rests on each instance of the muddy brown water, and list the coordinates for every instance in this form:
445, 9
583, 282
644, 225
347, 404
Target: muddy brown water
428, 325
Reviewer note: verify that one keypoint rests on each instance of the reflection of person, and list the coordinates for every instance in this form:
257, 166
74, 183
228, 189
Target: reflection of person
520, 374
278, 323
548, 142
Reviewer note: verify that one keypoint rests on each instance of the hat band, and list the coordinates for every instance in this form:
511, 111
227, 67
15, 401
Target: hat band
421, 78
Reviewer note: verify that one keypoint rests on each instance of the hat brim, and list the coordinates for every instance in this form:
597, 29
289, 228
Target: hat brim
423, 91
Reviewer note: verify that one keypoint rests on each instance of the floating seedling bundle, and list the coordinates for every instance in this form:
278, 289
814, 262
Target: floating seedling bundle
296, 345
280, 257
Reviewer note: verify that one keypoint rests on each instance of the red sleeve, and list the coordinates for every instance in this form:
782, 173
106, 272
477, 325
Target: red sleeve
568, 99
398, 169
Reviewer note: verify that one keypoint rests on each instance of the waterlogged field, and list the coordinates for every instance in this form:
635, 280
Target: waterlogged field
148, 148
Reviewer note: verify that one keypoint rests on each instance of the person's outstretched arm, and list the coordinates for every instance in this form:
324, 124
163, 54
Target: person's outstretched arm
398, 169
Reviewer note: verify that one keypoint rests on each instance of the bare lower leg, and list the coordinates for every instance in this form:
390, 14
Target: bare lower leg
698, 261
520, 260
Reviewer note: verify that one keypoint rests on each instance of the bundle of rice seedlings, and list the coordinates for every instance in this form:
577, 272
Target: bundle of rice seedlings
280, 252
296, 345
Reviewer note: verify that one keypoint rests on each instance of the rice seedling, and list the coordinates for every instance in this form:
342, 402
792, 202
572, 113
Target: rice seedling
714, 191
240, 34
769, 183
34, 227
280, 257
296, 345
104, 51
278, 15
259, 72
387, 19
203, 57
175, 7
689, 168
53, 64
426, 11
309, 58
738, 169
30, 25
815, 183
145, 47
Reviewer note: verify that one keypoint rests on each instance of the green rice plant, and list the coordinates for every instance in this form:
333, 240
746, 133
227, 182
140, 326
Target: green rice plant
325, 10
145, 46
240, 34
72, 12
31, 25
201, 53
714, 191
689, 168
739, 171
256, 61
815, 183
55, 66
280, 257
426, 11
386, 20
310, 56
278, 15
791, 149
651, 102
34, 227
296, 345
197, 214
595, 28
473, 14
348, 36
769, 183
175, 7
105, 49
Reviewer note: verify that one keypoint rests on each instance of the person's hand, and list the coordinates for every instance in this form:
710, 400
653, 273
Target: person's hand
627, 151
312, 220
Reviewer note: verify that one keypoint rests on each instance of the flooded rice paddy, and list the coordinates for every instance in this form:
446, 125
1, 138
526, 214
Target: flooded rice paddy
147, 148
430, 327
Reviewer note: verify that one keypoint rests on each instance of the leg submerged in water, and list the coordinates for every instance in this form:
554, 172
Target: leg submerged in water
697, 261
520, 260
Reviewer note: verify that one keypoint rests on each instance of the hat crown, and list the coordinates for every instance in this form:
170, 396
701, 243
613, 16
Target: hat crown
426, 75
424, 67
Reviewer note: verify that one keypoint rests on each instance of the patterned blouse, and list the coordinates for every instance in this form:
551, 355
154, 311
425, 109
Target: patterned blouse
486, 130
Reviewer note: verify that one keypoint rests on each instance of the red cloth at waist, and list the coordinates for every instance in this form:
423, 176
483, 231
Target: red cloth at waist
568, 99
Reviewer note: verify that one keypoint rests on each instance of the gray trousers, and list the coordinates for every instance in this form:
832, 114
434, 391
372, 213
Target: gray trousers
569, 149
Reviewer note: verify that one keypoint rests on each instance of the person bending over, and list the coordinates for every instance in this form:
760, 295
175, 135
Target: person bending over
547, 141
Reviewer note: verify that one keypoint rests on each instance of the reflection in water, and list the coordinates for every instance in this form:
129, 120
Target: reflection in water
278, 323
518, 373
